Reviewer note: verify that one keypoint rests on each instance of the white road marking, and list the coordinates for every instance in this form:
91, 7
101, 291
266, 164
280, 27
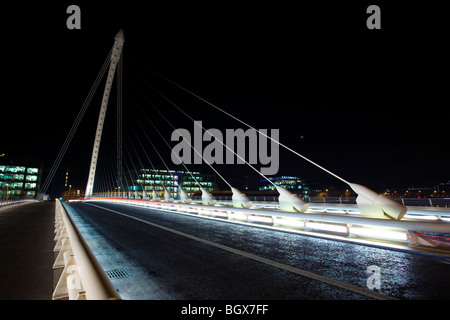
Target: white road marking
304, 273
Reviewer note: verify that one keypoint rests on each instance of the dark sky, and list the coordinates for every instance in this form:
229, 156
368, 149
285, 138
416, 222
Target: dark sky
371, 105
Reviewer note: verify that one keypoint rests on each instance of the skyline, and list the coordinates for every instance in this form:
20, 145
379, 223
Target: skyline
368, 106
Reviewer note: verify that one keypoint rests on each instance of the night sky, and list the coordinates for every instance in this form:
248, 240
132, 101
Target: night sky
369, 105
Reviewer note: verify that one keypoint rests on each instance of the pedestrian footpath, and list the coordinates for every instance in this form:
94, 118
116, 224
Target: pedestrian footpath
26, 251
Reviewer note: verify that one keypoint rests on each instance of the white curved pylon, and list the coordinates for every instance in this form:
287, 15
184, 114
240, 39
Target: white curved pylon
167, 195
377, 205
207, 198
240, 200
115, 57
290, 202
184, 198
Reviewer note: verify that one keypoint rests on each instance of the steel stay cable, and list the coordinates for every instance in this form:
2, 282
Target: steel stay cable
162, 137
246, 124
75, 125
220, 141
148, 158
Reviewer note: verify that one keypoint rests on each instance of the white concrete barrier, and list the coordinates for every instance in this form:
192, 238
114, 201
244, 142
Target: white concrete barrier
82, 278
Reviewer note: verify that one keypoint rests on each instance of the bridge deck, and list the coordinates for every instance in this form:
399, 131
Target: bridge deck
26, 251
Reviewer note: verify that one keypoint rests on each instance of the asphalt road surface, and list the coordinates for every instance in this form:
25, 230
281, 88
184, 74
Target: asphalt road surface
155, 254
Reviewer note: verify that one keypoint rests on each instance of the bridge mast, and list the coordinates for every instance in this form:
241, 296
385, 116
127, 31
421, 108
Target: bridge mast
119, 125
115, 57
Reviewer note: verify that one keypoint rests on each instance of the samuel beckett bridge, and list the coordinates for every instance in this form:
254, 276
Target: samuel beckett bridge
123, 242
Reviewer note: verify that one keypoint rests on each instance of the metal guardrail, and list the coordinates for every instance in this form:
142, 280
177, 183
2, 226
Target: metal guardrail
346, 226
422, 202
83, 277
5, 203
417, 202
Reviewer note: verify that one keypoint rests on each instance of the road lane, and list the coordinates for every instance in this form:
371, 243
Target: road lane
311, 275
342, 262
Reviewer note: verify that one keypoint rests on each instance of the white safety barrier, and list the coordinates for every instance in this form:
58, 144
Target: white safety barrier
82, 278
6, 203
349, 226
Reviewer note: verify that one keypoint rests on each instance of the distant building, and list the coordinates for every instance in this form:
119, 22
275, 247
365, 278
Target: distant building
155, 179
73, 192
19, 179
442, 189
291, 183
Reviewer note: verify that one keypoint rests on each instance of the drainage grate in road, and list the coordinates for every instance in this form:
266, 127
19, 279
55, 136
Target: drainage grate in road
117, 274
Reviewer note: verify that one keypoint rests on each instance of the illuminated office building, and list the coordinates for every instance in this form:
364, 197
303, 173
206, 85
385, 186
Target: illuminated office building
155, 179
293, 184
19, 180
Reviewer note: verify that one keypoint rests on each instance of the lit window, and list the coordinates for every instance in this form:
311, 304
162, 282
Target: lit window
15, 169
30, 178
19, 177
30, 185
16, 185
32, 170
